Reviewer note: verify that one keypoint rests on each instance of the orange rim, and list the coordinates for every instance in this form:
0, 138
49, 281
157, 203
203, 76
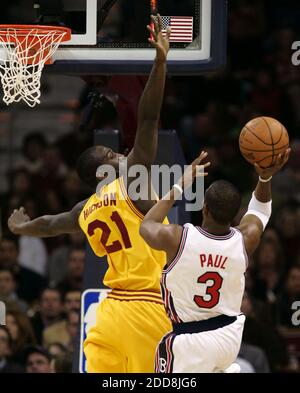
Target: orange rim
30, 30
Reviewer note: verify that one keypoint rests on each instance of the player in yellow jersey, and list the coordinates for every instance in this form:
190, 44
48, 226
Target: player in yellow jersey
131, 320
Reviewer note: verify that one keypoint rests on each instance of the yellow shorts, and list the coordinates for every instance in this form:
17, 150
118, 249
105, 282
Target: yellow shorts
127, 332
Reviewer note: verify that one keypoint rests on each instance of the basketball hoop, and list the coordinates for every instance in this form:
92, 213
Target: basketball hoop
26, 50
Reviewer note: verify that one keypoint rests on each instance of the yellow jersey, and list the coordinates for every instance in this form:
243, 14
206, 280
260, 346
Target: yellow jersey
111, 224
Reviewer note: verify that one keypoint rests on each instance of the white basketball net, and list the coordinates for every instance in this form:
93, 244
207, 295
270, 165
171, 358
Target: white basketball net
22, 59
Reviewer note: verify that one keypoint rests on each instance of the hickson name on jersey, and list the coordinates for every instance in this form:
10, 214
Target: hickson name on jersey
206, 278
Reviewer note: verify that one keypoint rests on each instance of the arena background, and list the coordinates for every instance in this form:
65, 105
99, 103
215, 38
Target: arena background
39, 149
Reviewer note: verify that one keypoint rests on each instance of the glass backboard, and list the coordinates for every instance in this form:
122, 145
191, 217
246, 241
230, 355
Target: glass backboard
110, 36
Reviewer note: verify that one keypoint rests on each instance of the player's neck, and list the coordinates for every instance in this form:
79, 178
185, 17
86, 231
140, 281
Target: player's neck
214, 228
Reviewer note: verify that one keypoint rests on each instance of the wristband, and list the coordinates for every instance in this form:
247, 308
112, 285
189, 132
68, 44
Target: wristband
261, 210
265, 180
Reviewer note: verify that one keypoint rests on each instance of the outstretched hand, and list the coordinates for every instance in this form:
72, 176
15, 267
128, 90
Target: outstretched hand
280, 161
160, 42
17, 219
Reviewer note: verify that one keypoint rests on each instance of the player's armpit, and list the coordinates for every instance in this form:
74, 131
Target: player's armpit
162, 237
252, 229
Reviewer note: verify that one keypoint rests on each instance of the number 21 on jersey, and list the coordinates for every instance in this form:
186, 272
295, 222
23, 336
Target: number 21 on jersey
106, 232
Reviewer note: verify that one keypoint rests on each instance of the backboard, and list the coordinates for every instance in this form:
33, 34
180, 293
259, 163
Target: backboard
110, 36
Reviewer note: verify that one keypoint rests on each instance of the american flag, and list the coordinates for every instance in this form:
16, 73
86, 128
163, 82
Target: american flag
181, 28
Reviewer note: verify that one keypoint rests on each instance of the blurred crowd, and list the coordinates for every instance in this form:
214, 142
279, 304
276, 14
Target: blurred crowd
41, 279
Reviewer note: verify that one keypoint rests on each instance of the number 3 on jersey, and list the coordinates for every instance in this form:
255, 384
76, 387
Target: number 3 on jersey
106, 231
212, 290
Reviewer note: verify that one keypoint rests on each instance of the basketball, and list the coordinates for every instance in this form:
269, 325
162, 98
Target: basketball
262, 140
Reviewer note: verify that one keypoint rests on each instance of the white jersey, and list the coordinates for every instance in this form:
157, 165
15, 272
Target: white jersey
206, 278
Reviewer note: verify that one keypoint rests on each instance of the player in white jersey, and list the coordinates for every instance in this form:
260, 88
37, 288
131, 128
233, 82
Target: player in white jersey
203, 281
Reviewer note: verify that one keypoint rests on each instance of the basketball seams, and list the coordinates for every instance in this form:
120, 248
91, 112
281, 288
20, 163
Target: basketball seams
271, 135
258, 162
256, 136
264, 151
244, 138
264, 159
276, 143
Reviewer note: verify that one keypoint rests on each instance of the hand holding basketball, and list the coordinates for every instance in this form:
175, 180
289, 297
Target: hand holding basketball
160, 42
262, 140
281, 160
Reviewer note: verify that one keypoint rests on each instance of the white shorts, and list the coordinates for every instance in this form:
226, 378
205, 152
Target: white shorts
210, 351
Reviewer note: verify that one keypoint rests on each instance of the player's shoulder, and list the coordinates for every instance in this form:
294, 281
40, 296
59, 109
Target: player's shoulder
237, 231
78, 208
188, 230
248, 228
116, 186
188, 226
82, 204
105, 194
192, 229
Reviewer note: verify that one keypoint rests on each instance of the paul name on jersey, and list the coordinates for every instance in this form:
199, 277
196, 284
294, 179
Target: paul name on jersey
210, 260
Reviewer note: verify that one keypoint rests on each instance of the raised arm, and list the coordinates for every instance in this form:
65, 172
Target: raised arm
145, 146
19, 223
259, 211
167, 237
